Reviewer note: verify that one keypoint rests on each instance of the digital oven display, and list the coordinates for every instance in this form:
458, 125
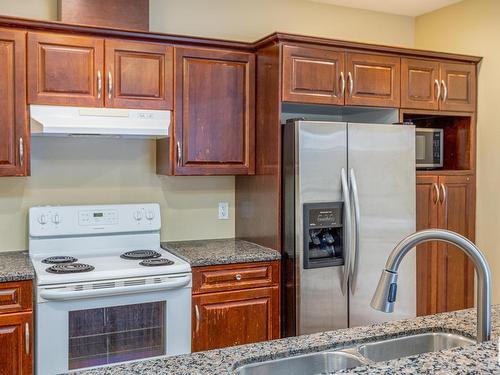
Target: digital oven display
98, 214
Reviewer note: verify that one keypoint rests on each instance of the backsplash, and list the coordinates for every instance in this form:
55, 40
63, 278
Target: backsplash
91, 170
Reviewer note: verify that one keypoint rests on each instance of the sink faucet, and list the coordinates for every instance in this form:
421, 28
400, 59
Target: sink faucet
385, 294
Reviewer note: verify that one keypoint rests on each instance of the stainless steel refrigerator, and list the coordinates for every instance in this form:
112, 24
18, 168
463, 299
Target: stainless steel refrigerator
348, 199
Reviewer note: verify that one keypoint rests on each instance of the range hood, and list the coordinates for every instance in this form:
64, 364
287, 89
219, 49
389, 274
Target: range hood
136, 123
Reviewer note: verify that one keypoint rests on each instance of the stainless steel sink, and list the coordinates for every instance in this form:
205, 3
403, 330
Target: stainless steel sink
307, 364
411, 345
364, 354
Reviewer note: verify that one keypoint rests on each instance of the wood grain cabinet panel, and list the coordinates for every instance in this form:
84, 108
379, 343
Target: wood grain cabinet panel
65, 70
313, 75
373, 80
139, 75
419, 84
460, 81
15, 296
235, 318
16, 344
214, 112
14, 130
445, 275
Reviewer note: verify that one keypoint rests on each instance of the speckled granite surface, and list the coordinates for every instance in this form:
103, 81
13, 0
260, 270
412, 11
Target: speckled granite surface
474, 359
220, 251
15, 266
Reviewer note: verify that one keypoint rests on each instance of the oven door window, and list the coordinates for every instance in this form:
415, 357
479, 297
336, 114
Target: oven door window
116, 334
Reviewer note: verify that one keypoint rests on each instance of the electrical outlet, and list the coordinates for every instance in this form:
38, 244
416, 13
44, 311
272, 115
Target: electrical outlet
223, 210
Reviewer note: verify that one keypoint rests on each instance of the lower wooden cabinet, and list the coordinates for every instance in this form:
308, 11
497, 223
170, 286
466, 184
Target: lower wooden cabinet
445, 275
237, 316
16, 344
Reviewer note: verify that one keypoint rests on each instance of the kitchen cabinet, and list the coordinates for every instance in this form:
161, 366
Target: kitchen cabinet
445, 275
139, 75
14, 129
434, 85
16, 327
241, 300
214, 113
95, 72
333, 76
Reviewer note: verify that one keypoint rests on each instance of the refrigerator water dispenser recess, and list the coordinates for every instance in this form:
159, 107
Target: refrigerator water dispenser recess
323, 235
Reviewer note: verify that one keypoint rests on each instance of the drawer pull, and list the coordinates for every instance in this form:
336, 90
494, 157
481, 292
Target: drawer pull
238, 277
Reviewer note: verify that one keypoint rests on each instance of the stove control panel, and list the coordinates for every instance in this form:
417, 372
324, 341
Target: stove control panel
82, 220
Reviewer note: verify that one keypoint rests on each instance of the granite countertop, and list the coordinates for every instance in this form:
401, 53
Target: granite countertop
473, 359
15, 266
220, 251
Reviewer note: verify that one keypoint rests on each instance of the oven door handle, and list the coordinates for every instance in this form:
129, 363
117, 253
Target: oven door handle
60, 294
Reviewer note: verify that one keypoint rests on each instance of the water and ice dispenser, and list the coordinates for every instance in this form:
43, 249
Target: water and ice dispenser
323, 235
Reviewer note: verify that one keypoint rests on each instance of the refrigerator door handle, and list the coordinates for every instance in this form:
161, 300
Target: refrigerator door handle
357, 222
348, 231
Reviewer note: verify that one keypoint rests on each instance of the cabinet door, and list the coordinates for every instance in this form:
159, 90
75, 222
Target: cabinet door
373, 80
419, 84
456, 213
16, 344
214, 112
139, 75
459, 93
427, 218
235, 318
14, 131
313, 75
65, 70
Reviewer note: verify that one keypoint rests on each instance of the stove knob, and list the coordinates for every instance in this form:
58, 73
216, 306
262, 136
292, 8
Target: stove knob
56, 219
150, 215
42, 219
138, 215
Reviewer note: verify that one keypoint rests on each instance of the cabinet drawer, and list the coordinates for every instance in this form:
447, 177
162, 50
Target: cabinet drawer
15, 296
235, 276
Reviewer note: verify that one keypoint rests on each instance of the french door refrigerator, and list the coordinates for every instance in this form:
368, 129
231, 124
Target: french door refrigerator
348, 199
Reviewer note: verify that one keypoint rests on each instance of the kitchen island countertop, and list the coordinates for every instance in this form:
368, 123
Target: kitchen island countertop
15, 266
220, 251
473, 359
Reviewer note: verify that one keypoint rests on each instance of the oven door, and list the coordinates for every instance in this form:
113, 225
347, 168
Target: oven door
93, 324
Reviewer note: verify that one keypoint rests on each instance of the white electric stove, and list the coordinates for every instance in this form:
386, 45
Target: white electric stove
106, 292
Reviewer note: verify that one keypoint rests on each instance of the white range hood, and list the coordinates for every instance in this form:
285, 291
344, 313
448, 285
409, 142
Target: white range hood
61, 120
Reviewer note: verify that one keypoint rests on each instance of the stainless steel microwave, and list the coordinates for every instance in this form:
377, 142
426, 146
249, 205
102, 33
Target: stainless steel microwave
429, 148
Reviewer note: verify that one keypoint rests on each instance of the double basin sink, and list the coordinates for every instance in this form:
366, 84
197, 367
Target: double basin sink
330, 361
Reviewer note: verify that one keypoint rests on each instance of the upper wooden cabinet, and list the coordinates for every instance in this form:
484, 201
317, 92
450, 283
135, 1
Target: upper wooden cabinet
65, 70
214, 112
313, 75
93, 72
372, 80
434, 85
138, 75
331, 76
14, 130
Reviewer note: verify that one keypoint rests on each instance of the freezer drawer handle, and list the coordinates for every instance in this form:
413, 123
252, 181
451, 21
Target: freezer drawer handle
348, 230
61, 295
357, 224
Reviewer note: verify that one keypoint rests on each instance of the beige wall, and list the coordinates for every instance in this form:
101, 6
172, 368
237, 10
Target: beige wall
473, 27
89, 170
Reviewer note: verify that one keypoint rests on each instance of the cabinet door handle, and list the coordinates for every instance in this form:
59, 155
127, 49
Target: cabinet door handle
99, 84
445, 90
436, 188
27, 338
238, 277
351, 83
197, 317
110, 85
443, 188
21, 151
179, 156
342, 84
438, 87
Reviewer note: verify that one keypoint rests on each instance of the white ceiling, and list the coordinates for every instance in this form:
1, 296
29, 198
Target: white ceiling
404, 7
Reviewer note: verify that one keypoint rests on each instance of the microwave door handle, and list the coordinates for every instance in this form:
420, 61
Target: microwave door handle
59, 294
357, 223
348, 231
